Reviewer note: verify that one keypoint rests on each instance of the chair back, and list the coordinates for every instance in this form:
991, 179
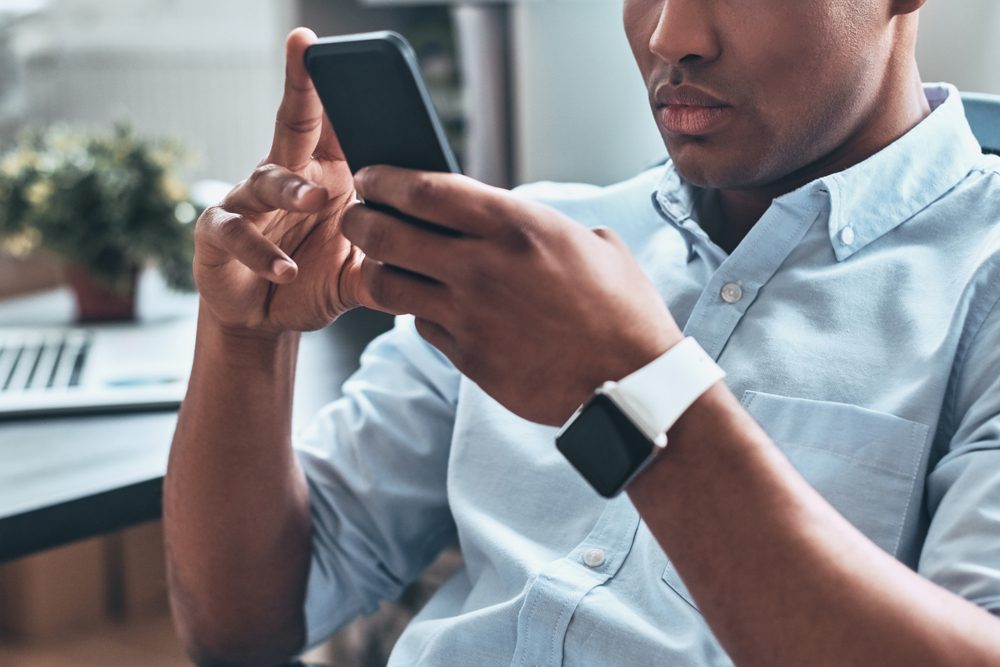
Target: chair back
983, 112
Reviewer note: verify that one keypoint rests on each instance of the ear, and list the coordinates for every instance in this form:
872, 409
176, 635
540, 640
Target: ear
901, 7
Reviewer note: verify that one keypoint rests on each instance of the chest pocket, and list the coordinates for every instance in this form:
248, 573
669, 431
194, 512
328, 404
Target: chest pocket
865, 463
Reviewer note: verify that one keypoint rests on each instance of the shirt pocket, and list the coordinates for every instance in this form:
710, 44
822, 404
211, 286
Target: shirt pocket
865, 463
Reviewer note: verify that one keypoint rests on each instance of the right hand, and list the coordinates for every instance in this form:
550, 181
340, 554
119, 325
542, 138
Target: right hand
271, 257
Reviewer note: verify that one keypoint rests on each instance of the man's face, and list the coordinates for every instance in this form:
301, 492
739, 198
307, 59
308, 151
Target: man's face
747, 92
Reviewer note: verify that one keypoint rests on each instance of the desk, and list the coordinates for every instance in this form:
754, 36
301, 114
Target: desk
68, 478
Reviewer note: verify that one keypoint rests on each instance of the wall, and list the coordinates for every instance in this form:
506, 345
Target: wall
580, 111
960, 42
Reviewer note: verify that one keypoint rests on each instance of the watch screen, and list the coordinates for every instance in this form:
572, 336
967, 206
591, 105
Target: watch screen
604, 445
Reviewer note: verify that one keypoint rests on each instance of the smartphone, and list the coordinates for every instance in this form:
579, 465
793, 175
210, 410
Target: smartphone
376, 100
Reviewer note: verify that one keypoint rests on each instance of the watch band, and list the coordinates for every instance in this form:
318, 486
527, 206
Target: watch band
656, 395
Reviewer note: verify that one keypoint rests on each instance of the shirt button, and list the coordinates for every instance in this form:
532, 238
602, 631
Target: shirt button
594, 558
847, 235
731, 292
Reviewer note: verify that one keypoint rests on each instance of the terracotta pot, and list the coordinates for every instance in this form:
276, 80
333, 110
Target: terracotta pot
39, 270
96, 301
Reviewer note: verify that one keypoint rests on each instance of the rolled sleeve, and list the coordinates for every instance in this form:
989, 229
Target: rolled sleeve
376, 464
962, 549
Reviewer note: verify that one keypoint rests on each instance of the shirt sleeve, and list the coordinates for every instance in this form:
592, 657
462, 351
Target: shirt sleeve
376, 464
962, 549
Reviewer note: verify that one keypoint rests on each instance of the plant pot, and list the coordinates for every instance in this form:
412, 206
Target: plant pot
23, 274
96, 301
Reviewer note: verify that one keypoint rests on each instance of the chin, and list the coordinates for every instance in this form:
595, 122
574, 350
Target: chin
705, 165
706, 174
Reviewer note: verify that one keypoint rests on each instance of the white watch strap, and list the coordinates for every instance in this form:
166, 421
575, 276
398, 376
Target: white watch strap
656, 395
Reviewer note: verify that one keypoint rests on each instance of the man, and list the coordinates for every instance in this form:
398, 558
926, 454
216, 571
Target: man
825, 230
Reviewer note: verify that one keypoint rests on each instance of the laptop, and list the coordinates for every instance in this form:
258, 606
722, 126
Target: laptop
94, 369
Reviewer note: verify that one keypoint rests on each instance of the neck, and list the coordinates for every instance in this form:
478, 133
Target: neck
895, 111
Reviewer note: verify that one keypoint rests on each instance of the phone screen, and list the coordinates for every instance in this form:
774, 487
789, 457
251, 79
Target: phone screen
377, 103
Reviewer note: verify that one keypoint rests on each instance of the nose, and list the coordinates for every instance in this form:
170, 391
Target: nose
686, 33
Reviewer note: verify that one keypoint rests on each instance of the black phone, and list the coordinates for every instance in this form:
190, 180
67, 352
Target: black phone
376, 100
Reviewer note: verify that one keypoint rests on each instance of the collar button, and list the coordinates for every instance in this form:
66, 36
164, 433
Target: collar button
847, 235
594, 558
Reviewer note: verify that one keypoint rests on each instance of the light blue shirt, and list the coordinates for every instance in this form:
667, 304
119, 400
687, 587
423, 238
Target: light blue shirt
860, 327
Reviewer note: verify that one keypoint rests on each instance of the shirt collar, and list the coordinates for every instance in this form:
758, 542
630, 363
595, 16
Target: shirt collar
880, 193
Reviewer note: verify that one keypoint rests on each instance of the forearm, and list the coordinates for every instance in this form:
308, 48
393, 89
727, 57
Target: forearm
780, 576
235, 502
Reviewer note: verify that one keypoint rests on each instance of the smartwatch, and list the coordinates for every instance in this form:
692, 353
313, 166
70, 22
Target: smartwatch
621, 429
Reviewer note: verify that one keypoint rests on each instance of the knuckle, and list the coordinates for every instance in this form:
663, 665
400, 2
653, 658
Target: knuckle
424, 187
260, 174
300, 125
208, 218
521, 236
205, 227
231, 231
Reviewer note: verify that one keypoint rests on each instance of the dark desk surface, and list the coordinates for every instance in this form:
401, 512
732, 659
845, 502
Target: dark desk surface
68, 478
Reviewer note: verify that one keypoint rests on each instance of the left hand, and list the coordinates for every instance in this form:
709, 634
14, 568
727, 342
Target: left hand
535, 308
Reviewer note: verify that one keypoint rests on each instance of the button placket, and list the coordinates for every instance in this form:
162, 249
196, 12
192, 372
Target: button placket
552, 599
714, 317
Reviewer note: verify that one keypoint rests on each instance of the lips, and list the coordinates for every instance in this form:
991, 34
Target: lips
686, 110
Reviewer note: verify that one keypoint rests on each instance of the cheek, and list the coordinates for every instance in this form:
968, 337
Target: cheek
810, 56
797, 75
640, 18
812, 94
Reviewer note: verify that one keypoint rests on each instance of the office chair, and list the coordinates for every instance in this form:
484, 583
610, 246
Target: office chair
983, 112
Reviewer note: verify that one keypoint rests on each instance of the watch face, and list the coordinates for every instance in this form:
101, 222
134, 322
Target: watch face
604, 445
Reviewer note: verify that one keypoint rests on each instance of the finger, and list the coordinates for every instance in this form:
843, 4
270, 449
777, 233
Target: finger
240, 239
273, 187
389, 240
300, 116
399, 292
329, 146
450, 200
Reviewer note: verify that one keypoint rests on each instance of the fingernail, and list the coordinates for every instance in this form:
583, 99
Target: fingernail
359, 177
303, 190
281, 266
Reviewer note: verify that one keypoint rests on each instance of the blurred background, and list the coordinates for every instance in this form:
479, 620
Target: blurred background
528, 90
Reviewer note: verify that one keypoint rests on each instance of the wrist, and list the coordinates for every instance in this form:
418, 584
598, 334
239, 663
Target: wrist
243, 346
616, 434
629, 358
660, 392
711, 435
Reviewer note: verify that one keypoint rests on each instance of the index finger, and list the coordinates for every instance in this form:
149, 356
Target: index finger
299, 123
449, 200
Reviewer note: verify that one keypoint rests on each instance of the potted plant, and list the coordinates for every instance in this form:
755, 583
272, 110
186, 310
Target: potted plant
107, 203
